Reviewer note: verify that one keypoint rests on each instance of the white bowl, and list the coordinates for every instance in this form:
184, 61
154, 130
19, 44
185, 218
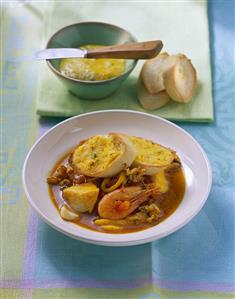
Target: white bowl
64, 136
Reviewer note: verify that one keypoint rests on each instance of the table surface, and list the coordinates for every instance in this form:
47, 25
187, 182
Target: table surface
37, 262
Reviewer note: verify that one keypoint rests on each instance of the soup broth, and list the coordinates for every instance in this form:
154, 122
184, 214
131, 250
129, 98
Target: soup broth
167, 203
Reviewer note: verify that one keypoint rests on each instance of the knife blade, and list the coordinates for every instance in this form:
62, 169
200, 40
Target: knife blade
55, 53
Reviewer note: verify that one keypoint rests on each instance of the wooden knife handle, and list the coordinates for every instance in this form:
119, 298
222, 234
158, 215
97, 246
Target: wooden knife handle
144, 50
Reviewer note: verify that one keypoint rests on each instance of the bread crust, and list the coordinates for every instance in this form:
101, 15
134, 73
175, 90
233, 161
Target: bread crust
172, 75
151, 102
164, 77
152, 66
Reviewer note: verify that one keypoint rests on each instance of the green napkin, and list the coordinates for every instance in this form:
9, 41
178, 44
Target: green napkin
183, 28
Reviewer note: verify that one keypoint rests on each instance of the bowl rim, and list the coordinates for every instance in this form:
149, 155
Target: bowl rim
84, 81
105, 241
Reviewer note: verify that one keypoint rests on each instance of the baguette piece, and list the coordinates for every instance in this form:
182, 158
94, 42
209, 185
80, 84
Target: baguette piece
151, 102
153, 71
103, 155
180, 80
151, 157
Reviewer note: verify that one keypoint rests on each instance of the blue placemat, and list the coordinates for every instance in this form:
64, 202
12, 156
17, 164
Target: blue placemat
38, 262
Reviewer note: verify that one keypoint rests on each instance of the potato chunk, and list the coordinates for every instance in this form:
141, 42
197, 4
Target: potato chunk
160, 181
81, 198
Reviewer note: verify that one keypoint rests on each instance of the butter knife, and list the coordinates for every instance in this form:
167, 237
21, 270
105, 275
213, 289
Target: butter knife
142, 50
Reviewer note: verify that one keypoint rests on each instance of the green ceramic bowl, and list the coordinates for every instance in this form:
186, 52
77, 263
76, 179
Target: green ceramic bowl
75, 35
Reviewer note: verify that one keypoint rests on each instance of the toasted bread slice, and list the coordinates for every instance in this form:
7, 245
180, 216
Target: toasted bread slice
153, 70
103, 155
180, 80
150, 72
151, 102
151, 156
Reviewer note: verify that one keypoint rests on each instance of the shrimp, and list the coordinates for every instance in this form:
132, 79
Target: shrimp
123, 201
